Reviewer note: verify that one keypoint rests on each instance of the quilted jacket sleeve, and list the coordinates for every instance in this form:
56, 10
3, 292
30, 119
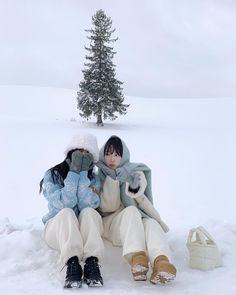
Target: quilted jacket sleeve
58, 196
87, 192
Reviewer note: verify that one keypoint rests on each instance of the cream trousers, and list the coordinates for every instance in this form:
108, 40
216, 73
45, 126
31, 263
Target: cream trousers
134, 233
73, 236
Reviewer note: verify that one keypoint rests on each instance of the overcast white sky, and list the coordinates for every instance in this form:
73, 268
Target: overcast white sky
166, 48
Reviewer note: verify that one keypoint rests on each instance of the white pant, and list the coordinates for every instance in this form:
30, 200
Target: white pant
134, 233
73, 236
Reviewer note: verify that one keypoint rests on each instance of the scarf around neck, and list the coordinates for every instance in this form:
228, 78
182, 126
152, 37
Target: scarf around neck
122, 172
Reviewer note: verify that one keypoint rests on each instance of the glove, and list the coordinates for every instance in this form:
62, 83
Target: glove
75, 162
87, 162
134, 181
106, 170
80, 161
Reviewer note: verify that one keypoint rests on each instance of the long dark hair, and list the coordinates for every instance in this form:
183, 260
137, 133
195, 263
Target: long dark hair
114, 144
60, 171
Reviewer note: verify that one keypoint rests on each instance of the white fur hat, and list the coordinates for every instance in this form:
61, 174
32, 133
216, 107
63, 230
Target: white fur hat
84, 141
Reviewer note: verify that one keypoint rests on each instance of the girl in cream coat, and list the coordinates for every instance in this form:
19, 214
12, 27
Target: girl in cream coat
129, 218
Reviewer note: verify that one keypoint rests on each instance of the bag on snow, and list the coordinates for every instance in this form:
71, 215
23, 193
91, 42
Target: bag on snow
203, 251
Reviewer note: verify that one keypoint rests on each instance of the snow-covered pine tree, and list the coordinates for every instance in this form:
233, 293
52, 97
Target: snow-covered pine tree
100, 93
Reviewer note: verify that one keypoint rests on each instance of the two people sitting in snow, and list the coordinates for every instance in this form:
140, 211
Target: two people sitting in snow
115, 203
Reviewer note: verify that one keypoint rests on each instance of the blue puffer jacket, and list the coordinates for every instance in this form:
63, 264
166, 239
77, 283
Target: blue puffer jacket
77, 193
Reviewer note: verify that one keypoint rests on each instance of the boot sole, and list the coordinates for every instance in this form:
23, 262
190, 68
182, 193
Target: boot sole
163, 278
91, 283
140, 277
139, 272
73, 285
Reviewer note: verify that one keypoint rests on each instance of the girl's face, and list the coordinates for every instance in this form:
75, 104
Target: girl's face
112, 160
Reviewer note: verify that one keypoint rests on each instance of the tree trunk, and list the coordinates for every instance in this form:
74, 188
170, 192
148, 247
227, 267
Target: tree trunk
99, 120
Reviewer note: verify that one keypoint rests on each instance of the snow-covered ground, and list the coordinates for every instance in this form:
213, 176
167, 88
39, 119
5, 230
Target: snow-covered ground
190, 144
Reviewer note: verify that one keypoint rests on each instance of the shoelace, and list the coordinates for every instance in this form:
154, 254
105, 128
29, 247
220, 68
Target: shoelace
92, 267
71, 260
72, 268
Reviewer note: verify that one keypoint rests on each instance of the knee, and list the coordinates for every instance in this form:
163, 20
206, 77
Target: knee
88, 212
132, 211
66, 212
91, 215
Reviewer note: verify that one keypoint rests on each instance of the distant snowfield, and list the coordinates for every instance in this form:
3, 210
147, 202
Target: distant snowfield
190, 146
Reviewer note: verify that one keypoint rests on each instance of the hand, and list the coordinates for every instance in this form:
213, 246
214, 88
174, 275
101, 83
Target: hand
134, 180
76, 161
80, 161
106, 170
87, 162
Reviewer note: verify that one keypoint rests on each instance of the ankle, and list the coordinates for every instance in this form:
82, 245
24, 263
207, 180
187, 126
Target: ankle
139, 257
91, 259
161, 258
73, 259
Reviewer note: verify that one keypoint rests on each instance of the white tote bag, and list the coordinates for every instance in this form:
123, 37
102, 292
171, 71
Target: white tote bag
203, 251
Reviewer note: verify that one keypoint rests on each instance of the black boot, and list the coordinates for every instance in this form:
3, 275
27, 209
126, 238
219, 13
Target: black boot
73, 273
92, 275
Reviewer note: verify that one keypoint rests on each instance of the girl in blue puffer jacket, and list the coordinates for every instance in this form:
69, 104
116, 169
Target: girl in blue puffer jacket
73, 226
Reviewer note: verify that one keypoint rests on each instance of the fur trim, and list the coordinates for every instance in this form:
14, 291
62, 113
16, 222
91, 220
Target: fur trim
84, 141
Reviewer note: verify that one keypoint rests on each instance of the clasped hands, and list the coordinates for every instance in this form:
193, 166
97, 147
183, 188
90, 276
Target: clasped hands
80, 161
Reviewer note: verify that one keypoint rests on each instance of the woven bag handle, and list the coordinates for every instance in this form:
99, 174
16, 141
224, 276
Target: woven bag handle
206, 233
200, 233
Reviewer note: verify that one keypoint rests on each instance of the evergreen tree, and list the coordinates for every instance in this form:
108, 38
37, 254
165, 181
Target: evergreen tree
100, 93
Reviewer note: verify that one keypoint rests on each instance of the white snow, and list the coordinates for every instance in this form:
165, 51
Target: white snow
190, 144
